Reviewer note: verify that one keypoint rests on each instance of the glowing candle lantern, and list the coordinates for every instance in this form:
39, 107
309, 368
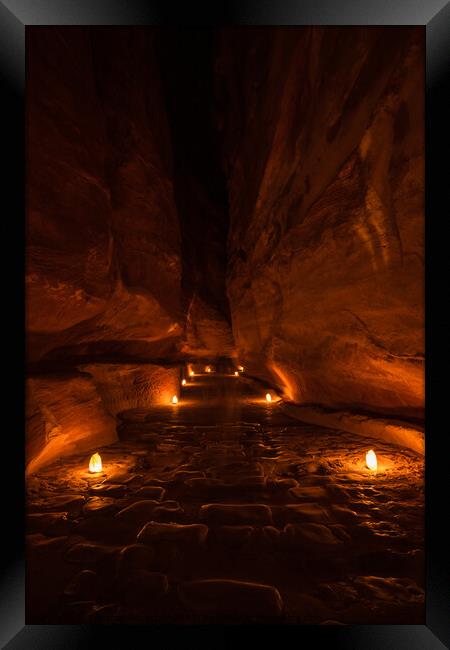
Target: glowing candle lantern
183, 383
95, 463
208, 369
268, 397
241, 368
191, 373
236, 373
371, 460
174, 399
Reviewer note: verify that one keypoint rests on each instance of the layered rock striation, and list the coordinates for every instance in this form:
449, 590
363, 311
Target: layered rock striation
103, 257
324, 152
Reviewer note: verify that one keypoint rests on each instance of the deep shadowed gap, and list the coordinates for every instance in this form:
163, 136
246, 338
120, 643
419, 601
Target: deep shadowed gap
187, 70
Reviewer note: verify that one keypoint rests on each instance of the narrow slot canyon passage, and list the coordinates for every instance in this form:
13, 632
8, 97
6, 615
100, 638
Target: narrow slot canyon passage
225, 304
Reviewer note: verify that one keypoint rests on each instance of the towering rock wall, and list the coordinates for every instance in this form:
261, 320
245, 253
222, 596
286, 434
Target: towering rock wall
103, 258
103, 236
324, 152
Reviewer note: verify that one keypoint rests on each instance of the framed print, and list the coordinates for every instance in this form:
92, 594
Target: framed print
229, 276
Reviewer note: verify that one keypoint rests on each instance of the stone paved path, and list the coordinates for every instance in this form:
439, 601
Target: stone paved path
222, 509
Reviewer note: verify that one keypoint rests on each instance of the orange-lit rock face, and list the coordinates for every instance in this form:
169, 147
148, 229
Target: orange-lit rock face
75, 411
103, 260
125, 386
207, 331
104, 264
327, 216
103, 236
68, 416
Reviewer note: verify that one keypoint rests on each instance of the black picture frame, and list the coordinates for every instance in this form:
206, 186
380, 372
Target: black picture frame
15, 17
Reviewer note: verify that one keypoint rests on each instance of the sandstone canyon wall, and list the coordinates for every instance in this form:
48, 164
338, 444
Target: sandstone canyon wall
324, 152
103, 236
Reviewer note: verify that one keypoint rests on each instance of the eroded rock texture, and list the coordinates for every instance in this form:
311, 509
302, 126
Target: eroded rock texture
207, 331
123, 387
65, 415
104, 269
324, 148
104, 254
103, 260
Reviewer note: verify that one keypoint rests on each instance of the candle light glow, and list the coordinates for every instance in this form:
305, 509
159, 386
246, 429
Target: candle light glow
371, 460
95, 463
174, 399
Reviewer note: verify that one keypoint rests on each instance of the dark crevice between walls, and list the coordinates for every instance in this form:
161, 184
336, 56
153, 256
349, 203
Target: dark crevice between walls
186, 59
